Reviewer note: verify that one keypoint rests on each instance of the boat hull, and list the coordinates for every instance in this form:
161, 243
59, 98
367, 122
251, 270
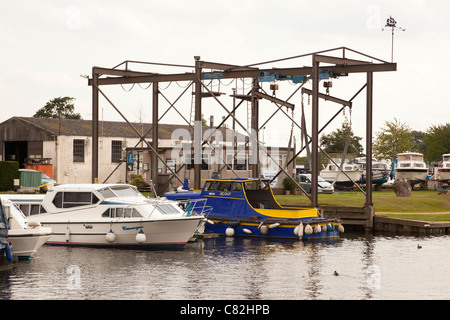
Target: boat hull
340, 178
171, 233
25, 242
413, 175
444, 174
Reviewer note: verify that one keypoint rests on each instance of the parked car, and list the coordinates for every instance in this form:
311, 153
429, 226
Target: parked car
323, 186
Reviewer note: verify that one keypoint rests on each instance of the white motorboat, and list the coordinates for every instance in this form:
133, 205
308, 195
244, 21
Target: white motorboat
24, 237
410, 166
332, 174
444, 169
113, 215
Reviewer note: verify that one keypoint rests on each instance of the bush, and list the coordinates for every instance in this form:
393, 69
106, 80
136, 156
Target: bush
138, 181
289, 185
9, 170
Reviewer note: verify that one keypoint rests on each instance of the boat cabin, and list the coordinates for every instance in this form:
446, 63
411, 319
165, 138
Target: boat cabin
241, 197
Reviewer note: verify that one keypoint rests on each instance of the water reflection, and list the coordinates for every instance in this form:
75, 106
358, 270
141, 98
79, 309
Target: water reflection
353, 267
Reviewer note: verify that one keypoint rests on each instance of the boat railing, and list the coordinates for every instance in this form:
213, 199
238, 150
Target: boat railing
196, 206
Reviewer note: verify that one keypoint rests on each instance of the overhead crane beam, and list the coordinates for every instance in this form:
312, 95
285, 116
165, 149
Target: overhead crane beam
128, 78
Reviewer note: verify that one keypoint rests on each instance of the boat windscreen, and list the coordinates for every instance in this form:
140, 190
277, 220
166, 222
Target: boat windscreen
256, 185
119, 192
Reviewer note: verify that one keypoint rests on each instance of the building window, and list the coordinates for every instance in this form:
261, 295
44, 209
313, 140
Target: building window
78, 150
116, 151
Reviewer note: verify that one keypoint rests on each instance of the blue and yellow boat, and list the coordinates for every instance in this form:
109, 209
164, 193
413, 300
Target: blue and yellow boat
247, 207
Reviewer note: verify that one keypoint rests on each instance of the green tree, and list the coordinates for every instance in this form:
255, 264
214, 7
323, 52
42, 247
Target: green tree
417, 137
63, 107
395, 137
335, 141
437, 142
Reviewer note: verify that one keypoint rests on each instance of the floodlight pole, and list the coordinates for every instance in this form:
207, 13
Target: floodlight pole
315, 134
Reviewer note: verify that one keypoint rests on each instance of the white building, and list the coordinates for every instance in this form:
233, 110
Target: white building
65, 146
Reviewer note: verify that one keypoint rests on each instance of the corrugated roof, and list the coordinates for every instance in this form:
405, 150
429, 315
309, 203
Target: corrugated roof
68, 127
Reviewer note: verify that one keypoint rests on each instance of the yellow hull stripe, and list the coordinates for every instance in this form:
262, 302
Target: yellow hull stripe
287, 213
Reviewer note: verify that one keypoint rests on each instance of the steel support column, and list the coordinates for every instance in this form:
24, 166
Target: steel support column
198, 124
254, 153
369, 139
155, 133
94, 126
315, 135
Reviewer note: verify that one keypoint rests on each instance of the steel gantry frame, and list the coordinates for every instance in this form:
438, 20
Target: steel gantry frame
334, 66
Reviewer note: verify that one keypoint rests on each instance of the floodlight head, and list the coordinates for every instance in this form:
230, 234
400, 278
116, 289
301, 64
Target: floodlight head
390, 22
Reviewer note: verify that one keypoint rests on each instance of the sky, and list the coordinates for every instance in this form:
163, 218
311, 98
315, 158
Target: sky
48, 46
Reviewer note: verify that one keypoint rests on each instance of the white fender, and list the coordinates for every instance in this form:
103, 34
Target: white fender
341, 228
308, 229
317, 228
110, 236
229, 232
246, 230
67, 234
274, 225
140, 237
264, 229
300, 230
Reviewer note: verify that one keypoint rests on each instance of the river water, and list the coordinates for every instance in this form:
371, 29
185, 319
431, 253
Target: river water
355, 267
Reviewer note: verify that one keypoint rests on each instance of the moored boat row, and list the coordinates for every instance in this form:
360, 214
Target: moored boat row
117, 215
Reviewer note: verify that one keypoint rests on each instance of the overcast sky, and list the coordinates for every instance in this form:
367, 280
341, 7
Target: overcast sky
47, 45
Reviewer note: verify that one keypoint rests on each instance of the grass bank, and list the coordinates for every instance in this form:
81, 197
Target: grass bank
420, 202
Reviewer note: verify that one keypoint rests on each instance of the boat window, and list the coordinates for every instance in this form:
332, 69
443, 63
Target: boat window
224, 186
256, 185
74, 199
250, 185
237, 187
265, 185
126, 192
210, 186
121, 213
25, 209
405, 165
34, 209
107, 193
166, 209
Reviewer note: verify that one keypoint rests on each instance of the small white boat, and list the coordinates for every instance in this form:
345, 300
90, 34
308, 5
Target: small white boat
444, 169
24, 237
113, 215
380, 170
410, 166
332, 174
